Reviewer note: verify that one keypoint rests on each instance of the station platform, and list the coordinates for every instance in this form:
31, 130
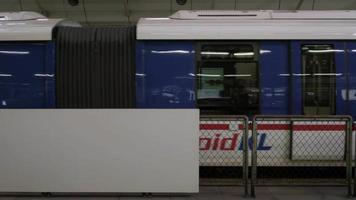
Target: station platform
214, 193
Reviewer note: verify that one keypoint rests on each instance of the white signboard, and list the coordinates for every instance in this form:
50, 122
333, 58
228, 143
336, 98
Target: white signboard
99, 150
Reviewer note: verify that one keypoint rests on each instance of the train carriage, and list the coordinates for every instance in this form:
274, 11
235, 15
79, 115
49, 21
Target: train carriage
249, 63
222, 62
255, 62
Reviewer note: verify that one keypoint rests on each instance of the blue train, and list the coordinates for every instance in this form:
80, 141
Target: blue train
222, 62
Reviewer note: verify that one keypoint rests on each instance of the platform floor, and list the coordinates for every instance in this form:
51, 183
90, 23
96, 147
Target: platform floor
221, 193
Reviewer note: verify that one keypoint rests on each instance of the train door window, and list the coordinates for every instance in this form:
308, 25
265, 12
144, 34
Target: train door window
318, 79
227, 78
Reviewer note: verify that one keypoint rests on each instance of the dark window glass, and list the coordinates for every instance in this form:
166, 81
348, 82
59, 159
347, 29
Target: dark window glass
228, 80
318, 79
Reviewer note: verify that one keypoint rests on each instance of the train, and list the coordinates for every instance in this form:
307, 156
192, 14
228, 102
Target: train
220, 62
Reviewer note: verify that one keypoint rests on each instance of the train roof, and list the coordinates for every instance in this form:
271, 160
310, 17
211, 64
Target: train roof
28, 26
250, 25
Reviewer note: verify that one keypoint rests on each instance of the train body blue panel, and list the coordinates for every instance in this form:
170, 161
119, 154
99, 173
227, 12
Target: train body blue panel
274, 79
341, 77
351, 87
27, 75
165, 74
296, 81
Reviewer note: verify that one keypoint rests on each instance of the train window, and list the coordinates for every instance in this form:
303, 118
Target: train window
228, 79
318, 79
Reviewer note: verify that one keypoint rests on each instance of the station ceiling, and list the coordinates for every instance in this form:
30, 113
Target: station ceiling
122, 12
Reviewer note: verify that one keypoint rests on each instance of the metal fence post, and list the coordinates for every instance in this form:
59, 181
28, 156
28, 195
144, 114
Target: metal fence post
224, 159
349, 156
254, 157
353, 159
245, 154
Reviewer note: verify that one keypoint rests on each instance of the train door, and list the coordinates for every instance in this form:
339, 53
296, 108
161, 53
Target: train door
317, 77
228, 78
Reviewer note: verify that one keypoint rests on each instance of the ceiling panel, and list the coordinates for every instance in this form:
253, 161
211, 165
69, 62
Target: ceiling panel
293, 4
257, 4
9, 5
225, 4
129, 11
333, 4
203, 4
31, 5
104, 5
151, 5
49, 5
187, 6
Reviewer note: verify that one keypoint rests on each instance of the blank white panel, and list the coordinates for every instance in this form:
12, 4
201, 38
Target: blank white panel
114, 150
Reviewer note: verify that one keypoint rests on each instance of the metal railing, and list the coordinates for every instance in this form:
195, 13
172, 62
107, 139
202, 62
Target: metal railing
301, 150
224, 150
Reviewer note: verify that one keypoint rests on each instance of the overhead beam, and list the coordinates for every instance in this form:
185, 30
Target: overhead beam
127, 10
21, 6
299, 5
43, 11
85, 12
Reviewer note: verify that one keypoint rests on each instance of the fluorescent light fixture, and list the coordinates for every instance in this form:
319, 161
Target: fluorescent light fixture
284, 74
244, 54
326, 51
217, 75
262, 51
237, 75
327, 74
173, 51
6, 75
158, 18
301, 74
44, 75
214, 53
143, 75
15, 52
209, 75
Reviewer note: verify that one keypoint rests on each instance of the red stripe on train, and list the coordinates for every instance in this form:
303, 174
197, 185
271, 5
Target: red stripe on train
214, 127
336, 127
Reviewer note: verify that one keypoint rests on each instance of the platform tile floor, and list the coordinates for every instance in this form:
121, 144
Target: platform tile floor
220, 193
